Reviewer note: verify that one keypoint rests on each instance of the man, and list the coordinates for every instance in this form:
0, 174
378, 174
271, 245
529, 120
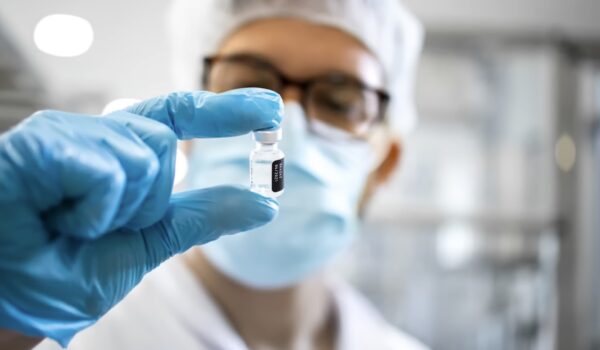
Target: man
344, 70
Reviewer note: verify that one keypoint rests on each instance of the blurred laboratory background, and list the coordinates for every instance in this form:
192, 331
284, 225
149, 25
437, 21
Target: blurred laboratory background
487, 237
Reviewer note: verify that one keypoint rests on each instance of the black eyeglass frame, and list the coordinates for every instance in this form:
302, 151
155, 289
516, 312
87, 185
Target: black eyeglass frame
303, 85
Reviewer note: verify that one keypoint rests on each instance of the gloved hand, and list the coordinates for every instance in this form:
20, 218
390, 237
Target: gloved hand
86, 207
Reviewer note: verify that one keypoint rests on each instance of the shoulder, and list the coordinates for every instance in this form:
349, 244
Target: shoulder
361, 323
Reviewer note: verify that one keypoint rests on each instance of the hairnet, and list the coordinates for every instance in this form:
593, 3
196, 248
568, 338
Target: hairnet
386, 27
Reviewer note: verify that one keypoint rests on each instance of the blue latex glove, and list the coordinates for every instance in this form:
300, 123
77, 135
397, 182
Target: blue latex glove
86, 207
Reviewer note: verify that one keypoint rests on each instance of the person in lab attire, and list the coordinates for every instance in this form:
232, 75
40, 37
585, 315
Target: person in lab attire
345, 70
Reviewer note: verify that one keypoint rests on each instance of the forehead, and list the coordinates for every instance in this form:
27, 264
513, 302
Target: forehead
302, 49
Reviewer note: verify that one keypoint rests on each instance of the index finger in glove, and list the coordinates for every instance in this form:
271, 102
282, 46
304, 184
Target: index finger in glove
206, 114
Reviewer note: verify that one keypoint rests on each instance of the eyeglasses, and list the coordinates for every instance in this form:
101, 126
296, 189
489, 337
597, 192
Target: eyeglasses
337, 99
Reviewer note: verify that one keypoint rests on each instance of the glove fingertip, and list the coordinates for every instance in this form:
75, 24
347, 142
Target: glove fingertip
263, 107
266, 208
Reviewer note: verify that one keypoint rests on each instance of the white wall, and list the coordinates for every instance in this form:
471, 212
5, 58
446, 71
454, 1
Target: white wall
129, 56
578, 18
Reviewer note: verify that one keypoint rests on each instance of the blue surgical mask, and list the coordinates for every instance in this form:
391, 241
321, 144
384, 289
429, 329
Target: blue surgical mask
317, 218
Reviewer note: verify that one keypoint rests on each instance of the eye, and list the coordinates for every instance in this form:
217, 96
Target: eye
333, 104
228, 75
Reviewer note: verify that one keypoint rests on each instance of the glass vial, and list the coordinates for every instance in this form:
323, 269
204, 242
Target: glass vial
266, 163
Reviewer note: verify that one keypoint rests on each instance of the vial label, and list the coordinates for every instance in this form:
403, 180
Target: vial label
277, 175
266, 176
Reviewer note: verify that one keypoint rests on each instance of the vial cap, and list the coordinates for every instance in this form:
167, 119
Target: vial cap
267, 136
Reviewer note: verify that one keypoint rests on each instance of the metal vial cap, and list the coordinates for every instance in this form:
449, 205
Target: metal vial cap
267, 136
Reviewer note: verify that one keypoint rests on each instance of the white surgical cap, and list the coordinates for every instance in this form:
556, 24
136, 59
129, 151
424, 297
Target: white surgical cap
387, 28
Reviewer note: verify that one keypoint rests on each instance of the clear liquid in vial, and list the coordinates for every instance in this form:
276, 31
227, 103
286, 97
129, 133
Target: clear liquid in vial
266, 170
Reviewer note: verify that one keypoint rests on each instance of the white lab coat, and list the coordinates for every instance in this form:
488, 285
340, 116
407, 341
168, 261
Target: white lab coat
171, 310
